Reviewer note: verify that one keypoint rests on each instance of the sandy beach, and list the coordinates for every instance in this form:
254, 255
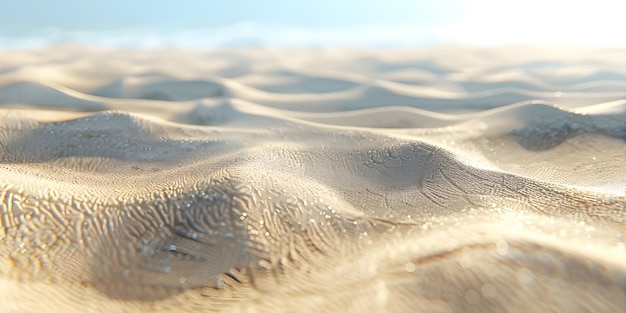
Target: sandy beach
441, 179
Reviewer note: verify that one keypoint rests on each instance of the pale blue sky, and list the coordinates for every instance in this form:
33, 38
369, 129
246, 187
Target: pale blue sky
97, 14
210, 23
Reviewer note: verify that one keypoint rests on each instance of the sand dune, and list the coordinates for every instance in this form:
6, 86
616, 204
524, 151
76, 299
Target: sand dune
445, 179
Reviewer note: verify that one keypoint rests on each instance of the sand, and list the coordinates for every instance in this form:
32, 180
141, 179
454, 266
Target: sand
443, 179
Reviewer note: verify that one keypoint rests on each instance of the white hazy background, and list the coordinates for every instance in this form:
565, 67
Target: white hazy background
344, 23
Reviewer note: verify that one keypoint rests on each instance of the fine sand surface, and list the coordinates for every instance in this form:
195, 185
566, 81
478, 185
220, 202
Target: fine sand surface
445, 179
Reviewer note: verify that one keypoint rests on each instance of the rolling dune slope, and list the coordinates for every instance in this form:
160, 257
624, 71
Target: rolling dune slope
446, 179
